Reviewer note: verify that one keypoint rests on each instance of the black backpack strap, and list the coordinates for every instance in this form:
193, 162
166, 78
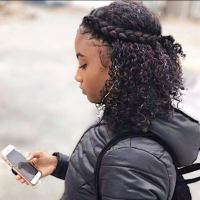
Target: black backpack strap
189, 169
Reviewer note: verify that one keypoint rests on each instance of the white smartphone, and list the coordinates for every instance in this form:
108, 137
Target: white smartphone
19, 164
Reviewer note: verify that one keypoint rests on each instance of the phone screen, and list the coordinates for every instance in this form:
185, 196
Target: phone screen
28, 170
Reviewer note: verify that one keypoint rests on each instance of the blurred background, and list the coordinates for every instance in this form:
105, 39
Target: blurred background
41, 106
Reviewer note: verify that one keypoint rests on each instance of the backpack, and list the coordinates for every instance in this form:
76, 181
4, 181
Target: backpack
181, 191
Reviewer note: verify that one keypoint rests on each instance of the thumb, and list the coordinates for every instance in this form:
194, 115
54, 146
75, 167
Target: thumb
36, 154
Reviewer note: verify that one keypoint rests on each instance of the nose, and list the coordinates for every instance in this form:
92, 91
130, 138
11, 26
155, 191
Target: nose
78, 77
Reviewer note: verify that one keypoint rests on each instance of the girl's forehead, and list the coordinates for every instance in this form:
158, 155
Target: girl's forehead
85, 41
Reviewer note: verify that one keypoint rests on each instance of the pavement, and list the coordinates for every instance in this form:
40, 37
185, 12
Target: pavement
41, 106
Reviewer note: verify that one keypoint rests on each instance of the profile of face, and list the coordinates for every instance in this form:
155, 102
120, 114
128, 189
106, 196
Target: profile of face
91, 73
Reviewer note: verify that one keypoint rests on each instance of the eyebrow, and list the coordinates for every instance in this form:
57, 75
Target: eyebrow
79, 54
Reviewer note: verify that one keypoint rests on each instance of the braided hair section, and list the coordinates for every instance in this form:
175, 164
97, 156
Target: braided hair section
113, 32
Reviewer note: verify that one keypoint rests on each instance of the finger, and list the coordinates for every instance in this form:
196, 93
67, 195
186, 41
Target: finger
34, 162
22, 180
36, 154
18, 177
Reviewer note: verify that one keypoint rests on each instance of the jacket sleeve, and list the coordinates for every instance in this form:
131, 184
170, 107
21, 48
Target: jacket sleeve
133, 174
62, 166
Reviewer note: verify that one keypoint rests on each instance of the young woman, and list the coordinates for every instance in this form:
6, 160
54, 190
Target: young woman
133, 73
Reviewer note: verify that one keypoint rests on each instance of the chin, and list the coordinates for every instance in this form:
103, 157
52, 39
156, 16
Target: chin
93, 100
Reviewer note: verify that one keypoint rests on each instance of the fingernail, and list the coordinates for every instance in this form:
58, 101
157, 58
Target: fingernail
28, 158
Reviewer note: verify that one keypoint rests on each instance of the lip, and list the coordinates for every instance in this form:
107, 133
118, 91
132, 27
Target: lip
82, 89
83, 92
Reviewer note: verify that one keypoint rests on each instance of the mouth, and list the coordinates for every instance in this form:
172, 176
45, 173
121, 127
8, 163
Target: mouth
82, 90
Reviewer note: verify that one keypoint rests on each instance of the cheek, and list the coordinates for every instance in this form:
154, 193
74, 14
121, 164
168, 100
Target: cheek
93, 90
94, 80
95, 87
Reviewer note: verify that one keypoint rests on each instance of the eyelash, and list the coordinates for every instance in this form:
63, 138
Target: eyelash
83, 66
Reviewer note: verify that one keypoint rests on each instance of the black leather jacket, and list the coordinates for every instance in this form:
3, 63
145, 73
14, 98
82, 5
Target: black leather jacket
136, 168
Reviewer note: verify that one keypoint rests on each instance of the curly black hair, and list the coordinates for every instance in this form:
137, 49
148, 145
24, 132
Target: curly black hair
146, 73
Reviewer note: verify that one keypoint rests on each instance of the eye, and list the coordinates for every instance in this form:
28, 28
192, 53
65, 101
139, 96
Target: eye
83, 66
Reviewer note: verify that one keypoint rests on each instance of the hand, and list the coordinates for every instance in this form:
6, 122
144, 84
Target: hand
43, 161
